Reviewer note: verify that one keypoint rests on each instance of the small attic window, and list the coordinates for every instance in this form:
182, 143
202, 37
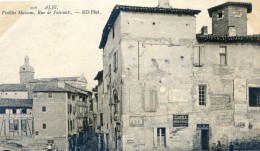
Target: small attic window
220, 15
23, 68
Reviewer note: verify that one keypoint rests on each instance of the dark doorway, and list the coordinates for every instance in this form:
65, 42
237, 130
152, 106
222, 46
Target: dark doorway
203, 131
101, 142
205, 139
107, 142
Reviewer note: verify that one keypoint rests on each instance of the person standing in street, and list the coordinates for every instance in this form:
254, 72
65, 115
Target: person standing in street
219, 147
231, 147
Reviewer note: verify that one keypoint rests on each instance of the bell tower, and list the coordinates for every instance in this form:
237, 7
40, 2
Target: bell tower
26, 71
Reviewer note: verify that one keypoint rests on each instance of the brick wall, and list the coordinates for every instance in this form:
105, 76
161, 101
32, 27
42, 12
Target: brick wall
231, 16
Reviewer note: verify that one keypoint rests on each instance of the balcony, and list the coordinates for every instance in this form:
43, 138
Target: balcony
16, 116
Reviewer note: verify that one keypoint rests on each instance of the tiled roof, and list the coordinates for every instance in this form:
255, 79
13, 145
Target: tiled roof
55, 79
241, 4
229, 39
43, 87
28, 103
13, 87
118, 8
74, 89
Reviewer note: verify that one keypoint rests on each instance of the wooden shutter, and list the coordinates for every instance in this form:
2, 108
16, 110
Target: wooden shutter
196, 56
201, 55
155, 136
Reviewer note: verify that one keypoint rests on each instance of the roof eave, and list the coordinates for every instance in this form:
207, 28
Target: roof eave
49, 91
229, 39
116, 11
247, 5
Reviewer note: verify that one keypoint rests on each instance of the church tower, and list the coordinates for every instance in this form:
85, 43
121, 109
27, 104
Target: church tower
26, 71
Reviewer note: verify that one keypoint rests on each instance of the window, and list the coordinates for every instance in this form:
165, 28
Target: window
36, 133
161, 137
254, 97
101, 119
70, 125
44, 109
24, 111
223, 55
115, 62
13, 125
150, 99
2, 110
74, 110
23, 125
44, 126
73, 97
220, 15
91, 105
232, 31
202, 95
198, 56
113, 32
80, 98
109, 72
35, 94
69, 108
50, 141
50, 95
69, 95
14, 111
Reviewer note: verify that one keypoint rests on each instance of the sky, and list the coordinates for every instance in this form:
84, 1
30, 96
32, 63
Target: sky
67, 45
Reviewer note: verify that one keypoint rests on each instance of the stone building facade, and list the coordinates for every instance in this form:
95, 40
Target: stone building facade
45, 111
60, 115
164, 87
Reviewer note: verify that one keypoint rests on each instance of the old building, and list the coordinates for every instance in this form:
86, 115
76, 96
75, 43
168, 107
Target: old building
16, 106
60, 115
164, 87
19, 91
16, 118
46, 110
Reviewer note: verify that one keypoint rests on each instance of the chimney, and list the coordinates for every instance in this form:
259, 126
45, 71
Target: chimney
164, 3
204, 30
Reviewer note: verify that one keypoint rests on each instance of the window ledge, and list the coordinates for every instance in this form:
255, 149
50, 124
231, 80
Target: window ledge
220, 18
196, 65
224, 66
254, 108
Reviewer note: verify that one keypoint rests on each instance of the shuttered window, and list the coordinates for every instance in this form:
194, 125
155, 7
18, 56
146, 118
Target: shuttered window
150, 99
198, 59
223, 55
